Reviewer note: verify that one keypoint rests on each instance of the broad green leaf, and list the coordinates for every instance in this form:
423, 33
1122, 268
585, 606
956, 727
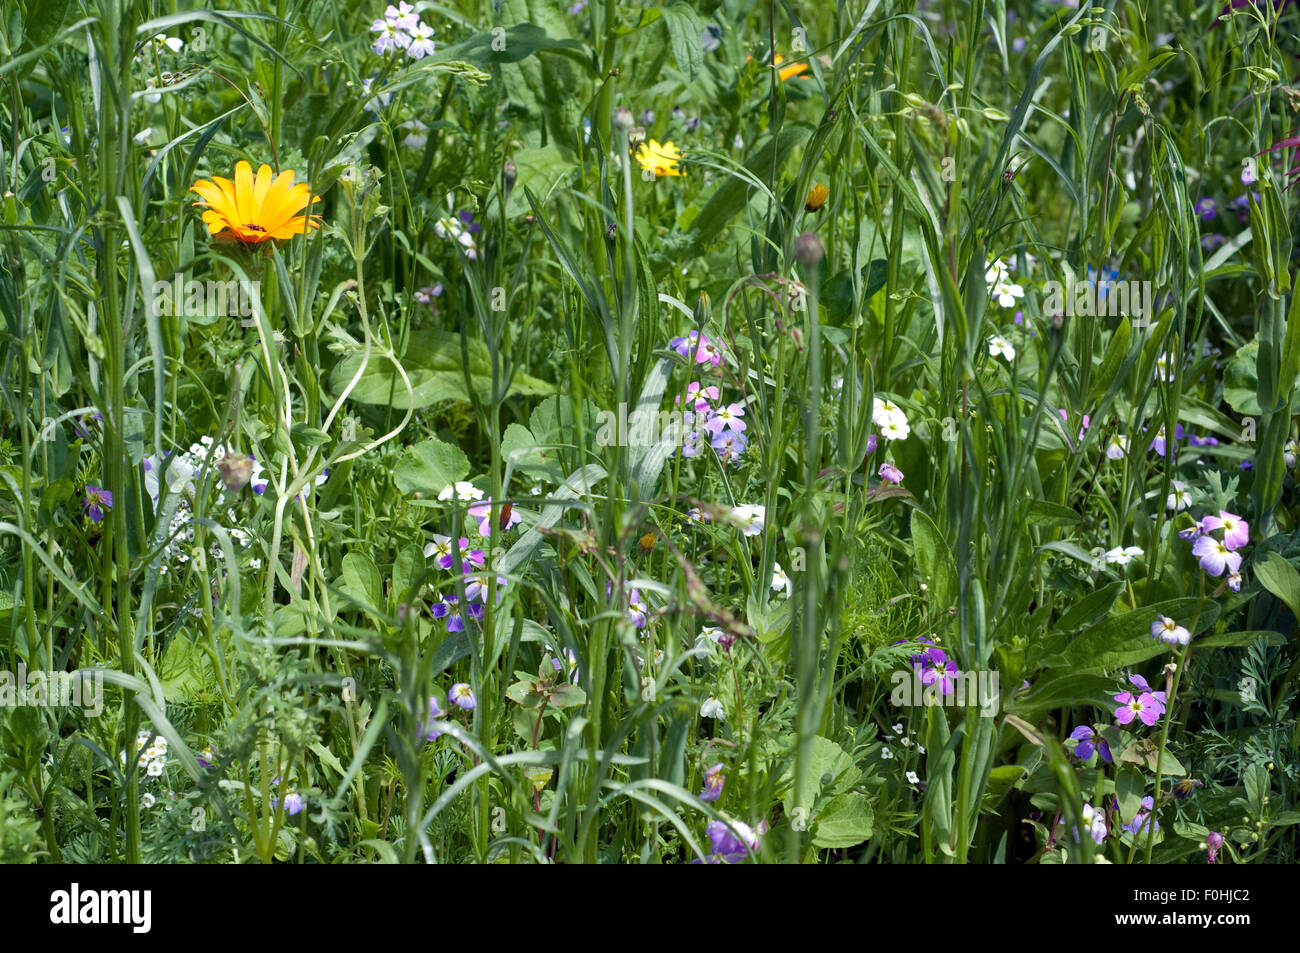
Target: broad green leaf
433, 365
935, 561
430, 467
845, 821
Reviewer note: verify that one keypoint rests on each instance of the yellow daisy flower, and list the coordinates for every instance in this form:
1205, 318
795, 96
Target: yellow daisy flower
252, 209
663, 159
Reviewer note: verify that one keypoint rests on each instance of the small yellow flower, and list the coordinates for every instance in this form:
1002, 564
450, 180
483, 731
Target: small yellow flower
252, 209
663, 159
788, 72
817, 197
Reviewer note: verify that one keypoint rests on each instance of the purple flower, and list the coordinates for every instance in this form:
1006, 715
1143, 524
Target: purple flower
697, 345
1213, 841
1090, 741
1140, 683
890, 473
872, 443
1236, 531
714, 779
293, 803
483, 513
1206, 209
449, 610
1144, 706
1140, 819
95, 502
935, 666
462, 696
435, 712
726, 418
728, 446
1215, 556
730, 842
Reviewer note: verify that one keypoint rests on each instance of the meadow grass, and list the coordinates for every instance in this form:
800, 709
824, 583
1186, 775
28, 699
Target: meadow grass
752, 362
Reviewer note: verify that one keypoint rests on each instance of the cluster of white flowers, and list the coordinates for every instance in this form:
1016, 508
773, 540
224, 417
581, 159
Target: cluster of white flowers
401, 29
1001, 286
152, 758
181, 471
891, 420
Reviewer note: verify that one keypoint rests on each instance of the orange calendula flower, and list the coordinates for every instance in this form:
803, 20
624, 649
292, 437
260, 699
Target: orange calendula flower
662, 160
795, 69
255, 209
816, 197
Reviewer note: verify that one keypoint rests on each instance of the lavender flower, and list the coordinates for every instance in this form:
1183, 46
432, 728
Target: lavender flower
714, 779
95, 502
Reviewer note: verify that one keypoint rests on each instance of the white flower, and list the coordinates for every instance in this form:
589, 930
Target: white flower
912, 778
920, 749
421, 42
780, 581
1167, 630
1179, 499
441, 546
1290, 453
749, 518
415, 138
898, 728
463, 491
155, 768
452, 227
1001, 286
1117, 447
712, 708
173, 43
1123, 555
146, 800
141, 138
886, 753
883, 411
998, 345
895, 430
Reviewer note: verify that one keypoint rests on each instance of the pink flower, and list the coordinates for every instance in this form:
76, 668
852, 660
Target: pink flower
1236, 531
890, 473
1144, 707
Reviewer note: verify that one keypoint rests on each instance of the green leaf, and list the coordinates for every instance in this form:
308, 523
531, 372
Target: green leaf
847, 820
684, 30
361, 578
935, 561
829, 771
430, 467
433, 365
1044, 513
1280, 578
1125, 639
1088, 610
